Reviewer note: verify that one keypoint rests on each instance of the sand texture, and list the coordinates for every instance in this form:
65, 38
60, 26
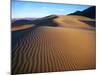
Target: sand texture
67, 47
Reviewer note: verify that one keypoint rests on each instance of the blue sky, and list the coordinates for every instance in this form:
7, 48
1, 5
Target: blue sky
34, 9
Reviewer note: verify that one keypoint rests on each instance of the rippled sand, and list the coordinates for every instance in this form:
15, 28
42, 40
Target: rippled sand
50, 49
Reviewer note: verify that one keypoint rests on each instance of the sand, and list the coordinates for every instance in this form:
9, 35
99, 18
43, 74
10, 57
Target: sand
21, 27
73, 21
50, 49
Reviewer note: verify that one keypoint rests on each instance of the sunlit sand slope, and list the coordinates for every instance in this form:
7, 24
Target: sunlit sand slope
21, 27
49, 49
73, 21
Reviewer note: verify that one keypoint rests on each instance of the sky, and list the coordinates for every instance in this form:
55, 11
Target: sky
22, 9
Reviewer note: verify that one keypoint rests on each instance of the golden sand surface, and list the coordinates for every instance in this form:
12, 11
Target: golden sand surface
50, 49
21, 27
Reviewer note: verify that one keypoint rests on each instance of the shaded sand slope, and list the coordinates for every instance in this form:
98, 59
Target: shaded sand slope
48, 49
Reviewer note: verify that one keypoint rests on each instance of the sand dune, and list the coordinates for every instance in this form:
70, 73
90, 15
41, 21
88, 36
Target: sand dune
21, 27
49, 49
69, 21
73, 21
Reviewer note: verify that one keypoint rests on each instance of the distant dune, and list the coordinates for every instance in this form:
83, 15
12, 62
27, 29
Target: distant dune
54, 43
72, 21
89, 12
75, 21
21, 22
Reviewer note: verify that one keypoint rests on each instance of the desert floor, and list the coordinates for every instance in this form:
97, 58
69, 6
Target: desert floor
69, 46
